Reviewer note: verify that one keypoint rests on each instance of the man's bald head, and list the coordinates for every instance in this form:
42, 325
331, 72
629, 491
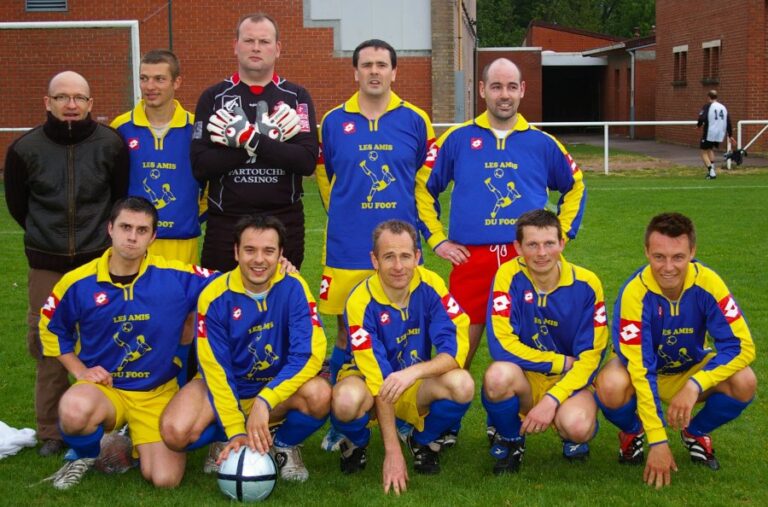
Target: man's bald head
69, 96
499, 64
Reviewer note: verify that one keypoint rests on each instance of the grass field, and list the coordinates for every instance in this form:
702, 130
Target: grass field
730, 214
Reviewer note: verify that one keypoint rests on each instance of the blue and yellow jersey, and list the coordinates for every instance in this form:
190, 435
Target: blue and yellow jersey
655, 336
161, 170
384, 337
496, 181
132, 330
366, 174
248, 347
538, 330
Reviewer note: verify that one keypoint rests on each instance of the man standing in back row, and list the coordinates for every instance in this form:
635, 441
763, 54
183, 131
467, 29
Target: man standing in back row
714, 118
255, 138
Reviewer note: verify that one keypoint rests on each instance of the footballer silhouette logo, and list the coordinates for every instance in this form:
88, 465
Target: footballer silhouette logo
100, 298
476, 143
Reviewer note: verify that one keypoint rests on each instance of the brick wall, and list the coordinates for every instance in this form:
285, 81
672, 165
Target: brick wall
740, 25
565, 40
203, 34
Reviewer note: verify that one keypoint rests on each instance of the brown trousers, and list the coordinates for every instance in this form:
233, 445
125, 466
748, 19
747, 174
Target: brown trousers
51, 380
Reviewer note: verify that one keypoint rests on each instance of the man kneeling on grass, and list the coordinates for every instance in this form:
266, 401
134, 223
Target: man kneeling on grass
663, 314
394, 318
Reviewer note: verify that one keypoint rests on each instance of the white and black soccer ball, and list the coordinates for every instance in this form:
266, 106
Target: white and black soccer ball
247, 476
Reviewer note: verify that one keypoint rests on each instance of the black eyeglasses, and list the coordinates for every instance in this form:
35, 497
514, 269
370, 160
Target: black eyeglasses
63, 99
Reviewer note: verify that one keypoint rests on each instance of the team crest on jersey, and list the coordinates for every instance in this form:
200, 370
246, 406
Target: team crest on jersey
325, 287
237, 313
501, 304
49, 308
451, 306
201, 271
630, 332
729, 308
133, 143
385, 318
303, 112
528, 296
600, 316
100, 298
202, 330
359, 338
230, 102
314, 317
348, 127
476, 143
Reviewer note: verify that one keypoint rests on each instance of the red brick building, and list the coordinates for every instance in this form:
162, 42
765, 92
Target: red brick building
201, 33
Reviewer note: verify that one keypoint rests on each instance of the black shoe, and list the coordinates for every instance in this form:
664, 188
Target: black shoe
447, 439
50, 448
700, 449
508, 454
426, 459
631, 448
353, 458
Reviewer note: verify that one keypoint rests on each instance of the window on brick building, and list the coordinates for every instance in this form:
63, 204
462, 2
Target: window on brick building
45, 5
711, 71
680, 54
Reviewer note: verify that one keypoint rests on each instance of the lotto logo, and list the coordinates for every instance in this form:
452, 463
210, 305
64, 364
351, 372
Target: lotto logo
528, 296
600, 316
630, 332
451, 306
49, 308
501, 304
313, 315
320, 158
100, 298
202, 330
349, 127
385, 318
729, 308
200, 271
431, 155
359, 338
476, 143
325, 286
572, 163
133, 143
237, 312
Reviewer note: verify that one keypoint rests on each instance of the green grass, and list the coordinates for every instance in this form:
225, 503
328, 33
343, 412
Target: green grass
732, 224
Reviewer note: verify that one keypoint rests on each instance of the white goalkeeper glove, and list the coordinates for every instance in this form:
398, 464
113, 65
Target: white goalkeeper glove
286, 120
232, 128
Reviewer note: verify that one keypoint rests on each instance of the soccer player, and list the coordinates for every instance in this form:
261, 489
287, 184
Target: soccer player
260, 345
663, 314
372, 146
115, 324
716, 124
501, 167
61, 180
546, 336
395, 317
255, 138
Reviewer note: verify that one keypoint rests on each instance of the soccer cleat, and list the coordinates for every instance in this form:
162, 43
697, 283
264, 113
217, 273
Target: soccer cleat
447, 439
71, 473
490, 432
353, 458
289, 462
631, 448
331, 440
700, 449
50, 447
209, 465
426, 459
573, 451
508, 454
404, 429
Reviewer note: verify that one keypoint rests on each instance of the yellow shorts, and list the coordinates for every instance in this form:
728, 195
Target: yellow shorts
406, 407
184, 250
335, 286
540, 384
670, 385
141, 410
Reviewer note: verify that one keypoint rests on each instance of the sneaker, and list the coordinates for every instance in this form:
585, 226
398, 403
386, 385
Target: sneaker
353, 458
426, 459
289, 462
508, 454
404, 430
71, 473
700, 449
573, 451
631, 448
490, 432
209, 465
331, 440
447, 439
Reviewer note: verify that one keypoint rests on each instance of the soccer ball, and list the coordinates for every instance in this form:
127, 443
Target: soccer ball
116, 453
154, 174
247, 476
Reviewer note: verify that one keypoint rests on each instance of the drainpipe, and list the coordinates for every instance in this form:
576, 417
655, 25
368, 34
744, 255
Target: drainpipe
631, 92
